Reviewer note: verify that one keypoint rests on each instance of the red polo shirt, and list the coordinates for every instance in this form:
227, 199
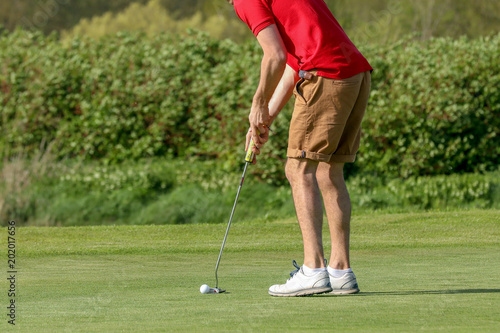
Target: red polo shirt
312, 36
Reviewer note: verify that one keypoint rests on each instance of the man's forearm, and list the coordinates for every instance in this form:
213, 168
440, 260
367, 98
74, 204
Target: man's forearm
283, 92
271, 72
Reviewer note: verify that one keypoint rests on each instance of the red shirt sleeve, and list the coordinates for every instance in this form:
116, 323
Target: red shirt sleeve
255, 13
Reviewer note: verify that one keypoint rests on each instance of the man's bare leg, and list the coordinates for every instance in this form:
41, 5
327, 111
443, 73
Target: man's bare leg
301, 174
330, 177
309, 179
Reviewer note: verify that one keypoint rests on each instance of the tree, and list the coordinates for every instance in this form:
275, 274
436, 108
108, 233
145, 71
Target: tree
374, 21
154, 18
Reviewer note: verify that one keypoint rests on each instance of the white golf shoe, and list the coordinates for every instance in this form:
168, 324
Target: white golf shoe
346, 284
301, 285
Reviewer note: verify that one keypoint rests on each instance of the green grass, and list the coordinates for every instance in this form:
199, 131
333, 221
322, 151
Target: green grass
432, 271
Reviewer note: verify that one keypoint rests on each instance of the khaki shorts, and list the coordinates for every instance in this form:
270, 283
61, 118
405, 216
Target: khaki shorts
326, 120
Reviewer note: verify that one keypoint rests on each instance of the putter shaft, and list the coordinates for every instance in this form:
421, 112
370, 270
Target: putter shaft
229, 224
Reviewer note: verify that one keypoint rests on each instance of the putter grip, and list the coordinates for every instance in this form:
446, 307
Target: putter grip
250, 155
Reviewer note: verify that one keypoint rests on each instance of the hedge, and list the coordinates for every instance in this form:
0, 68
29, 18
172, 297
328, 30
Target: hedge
434, 108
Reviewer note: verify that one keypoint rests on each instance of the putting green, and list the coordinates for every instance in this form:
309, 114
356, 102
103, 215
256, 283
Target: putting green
435, 271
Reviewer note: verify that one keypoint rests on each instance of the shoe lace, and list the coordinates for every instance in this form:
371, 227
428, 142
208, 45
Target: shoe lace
295, 271
298, 268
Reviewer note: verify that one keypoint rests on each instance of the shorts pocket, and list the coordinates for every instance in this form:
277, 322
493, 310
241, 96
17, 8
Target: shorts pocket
297, 92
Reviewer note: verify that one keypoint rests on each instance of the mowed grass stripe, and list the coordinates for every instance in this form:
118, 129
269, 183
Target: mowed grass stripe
434, 271
403, 290
462, 228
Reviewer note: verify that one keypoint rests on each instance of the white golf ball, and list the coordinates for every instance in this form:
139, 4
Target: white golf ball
204, 289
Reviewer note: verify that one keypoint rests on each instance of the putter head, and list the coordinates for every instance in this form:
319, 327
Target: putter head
213, 291
218, 291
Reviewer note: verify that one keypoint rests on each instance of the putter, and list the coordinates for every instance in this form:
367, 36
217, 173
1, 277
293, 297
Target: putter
248, 159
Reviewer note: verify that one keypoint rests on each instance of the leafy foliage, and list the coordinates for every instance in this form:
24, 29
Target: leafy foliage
45, 192
434, 109
430, 192
435, 106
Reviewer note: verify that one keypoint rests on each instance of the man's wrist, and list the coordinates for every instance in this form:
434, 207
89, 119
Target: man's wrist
260, 101
272, 117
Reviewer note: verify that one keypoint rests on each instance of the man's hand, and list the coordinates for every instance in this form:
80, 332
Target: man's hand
256, 151
259, 124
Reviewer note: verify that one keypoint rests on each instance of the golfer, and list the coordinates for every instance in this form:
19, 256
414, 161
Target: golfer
307, 54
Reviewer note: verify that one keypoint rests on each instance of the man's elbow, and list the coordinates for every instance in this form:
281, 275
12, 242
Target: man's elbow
279, 58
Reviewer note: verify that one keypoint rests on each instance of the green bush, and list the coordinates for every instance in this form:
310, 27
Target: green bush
435, 106
430, 192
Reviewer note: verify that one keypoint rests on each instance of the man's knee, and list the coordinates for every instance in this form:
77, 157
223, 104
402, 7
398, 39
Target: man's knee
300, 170
290, 170
330, 173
